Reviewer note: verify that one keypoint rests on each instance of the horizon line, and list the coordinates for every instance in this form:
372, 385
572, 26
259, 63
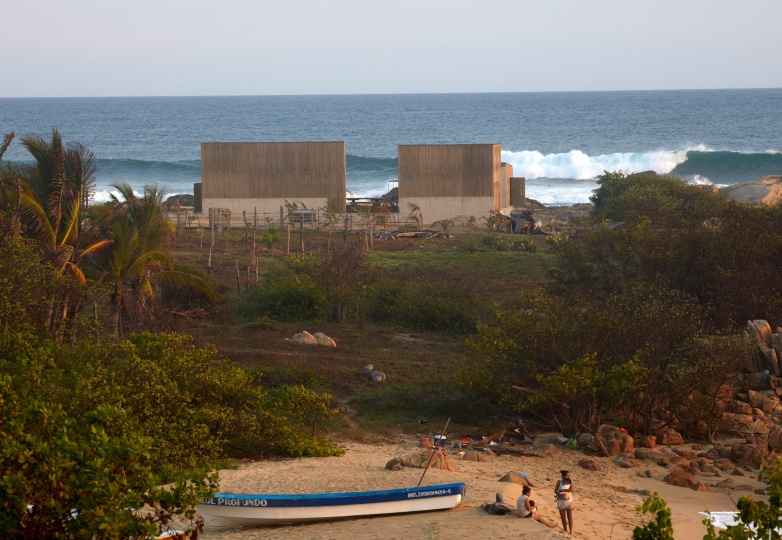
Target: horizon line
397, 93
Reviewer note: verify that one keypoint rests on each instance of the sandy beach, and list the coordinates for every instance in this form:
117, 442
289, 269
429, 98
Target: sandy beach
604, 507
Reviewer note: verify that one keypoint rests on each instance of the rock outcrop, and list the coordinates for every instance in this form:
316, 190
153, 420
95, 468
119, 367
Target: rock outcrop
318, 338
767, 190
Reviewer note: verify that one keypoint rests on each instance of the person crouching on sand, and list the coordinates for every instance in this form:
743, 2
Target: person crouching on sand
564, 494
525, 508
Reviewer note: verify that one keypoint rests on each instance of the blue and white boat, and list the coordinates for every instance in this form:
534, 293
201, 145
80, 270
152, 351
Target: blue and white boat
235, 510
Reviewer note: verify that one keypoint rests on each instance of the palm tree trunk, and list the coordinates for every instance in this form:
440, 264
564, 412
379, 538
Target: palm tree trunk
118, 312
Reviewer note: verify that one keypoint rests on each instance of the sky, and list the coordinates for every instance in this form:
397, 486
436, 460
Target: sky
279, 47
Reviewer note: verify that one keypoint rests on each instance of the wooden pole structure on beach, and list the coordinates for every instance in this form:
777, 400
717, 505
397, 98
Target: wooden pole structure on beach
288, 252
436, 448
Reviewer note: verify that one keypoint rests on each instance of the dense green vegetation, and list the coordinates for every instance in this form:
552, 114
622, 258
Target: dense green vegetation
642, 313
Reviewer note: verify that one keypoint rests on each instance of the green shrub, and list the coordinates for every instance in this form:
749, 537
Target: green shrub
198, 408
423, 304
659, 528
270, 237
68, 478
287, 295
263, 323
524, 244
26, 285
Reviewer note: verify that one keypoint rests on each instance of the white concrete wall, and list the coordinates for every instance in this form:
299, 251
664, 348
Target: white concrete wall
437, 208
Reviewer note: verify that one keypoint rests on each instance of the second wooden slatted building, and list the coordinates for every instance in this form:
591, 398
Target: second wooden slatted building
447, 181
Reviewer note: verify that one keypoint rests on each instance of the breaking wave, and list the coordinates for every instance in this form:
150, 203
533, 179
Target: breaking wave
699, 163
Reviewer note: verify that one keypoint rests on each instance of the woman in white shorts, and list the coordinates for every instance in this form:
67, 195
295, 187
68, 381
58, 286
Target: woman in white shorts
564, 492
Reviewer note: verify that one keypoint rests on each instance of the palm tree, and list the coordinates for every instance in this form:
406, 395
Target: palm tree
53, 191
139, 258
416, 214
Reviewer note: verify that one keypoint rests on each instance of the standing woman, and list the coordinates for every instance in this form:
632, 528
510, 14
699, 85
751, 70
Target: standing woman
564, 492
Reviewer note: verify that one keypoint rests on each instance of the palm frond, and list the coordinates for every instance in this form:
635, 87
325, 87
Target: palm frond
6, 143
190, 281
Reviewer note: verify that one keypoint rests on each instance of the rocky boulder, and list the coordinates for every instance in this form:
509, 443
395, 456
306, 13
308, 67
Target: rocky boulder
516, 478
613, 440
680, 478
648, 453
472, 455
626, 462
318, 338
590, 465
669, 436
767, 190
646, 441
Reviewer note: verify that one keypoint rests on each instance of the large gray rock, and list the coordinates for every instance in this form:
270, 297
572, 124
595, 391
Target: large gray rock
305, 338
324, 340
767, 190
760, 330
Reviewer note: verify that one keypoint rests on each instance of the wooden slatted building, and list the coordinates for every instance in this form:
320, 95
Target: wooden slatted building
450, 180
263, 175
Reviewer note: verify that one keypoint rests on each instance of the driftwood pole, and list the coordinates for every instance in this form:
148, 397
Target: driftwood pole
436, 449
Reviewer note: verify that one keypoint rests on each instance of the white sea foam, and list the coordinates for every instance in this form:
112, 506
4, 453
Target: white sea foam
532, 164
105, 195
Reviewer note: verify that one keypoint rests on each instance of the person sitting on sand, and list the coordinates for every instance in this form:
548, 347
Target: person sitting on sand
564, 495
525, 508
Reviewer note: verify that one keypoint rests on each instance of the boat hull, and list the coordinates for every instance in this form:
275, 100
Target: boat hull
231, 510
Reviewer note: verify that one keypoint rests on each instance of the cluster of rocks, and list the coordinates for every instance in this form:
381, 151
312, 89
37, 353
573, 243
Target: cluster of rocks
318, 338
755, 410
374, 374
684, 462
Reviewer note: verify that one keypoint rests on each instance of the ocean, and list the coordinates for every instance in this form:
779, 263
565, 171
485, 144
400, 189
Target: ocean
559, 141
